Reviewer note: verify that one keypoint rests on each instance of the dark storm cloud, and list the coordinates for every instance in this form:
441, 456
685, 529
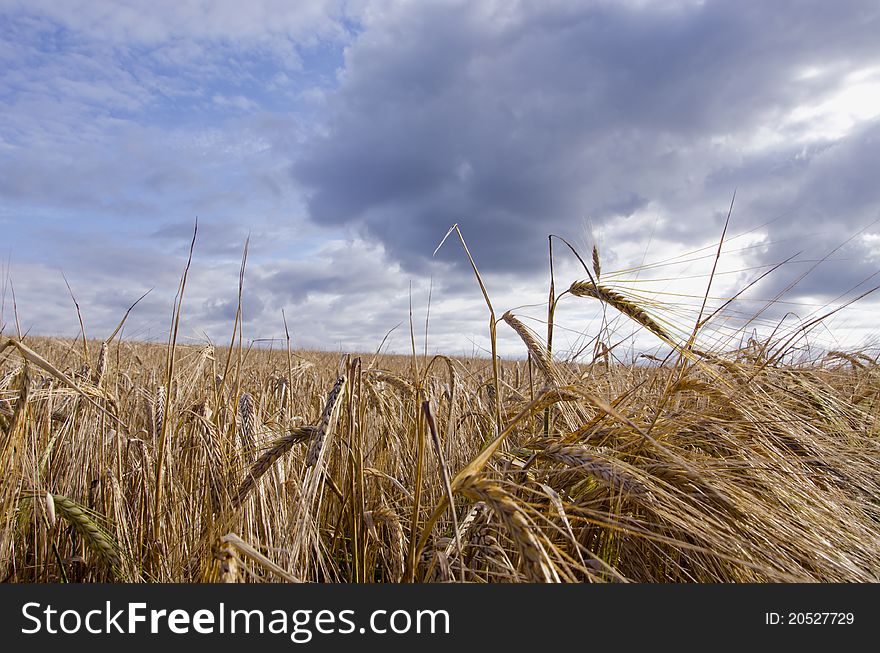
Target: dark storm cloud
824, 201
518, 122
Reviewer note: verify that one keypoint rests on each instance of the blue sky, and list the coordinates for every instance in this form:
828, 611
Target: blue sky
346, 137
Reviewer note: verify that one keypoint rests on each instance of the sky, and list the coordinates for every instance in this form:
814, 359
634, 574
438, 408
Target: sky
342, 140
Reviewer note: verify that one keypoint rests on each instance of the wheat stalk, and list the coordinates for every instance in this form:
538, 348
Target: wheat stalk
579, 457
247, 422
535, 560
95, 537
387, 516
159, 410
597, 268
540, 355
621, 303
317, 441
271, 455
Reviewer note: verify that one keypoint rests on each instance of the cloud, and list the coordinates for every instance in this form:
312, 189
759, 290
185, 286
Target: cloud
518, 121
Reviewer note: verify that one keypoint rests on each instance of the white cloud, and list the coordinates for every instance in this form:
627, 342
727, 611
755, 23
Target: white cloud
856, 101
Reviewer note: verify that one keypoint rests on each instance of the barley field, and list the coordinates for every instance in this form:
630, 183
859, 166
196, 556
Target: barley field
133, 462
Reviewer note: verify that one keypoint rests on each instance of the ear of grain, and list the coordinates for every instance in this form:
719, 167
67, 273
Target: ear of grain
621, 303
206, 355
159, 410
247, 418
536, 563
317, 441
95, 537
538, 352
468, 525
549, 396
850, 358
397, 547
581, 458
271, 455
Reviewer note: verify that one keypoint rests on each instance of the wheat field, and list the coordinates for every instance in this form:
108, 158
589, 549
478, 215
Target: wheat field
132, 462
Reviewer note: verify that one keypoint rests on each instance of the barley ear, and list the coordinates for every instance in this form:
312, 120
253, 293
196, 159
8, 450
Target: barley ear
159, 410
247, 422
95, 537
536, 563
622, 304
265, 462
317, 441
538, 352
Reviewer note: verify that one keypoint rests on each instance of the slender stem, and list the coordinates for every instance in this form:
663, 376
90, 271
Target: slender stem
169, 376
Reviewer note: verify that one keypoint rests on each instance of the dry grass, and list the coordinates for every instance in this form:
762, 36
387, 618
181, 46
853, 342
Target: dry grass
773, 480
248, 465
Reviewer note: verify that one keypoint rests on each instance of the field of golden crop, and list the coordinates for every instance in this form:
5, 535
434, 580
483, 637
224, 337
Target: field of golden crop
301, 466
133, 462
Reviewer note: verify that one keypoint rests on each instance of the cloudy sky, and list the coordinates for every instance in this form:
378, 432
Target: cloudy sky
345, 138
